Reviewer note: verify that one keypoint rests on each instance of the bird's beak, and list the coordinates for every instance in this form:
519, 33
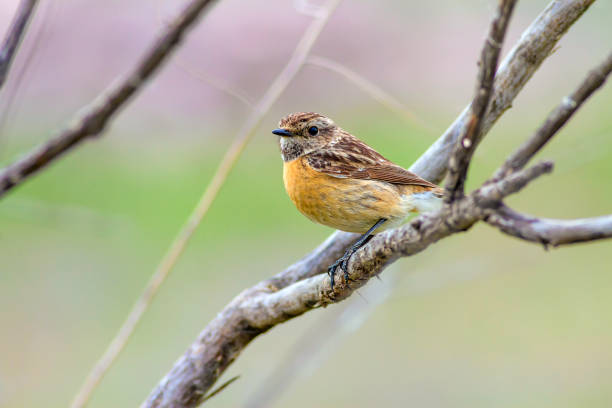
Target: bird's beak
282, 132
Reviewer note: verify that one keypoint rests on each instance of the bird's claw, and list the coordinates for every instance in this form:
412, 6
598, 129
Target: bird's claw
341, 263
331, 271
344, 265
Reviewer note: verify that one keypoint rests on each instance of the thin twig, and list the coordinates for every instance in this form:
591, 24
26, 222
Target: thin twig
210, 193
556, 119
92, 122
96, 116
493, 193
548, 231
220, 388
14, 36
461, 157
216, 83
376, 92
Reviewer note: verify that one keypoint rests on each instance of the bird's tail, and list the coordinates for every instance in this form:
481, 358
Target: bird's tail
428, 201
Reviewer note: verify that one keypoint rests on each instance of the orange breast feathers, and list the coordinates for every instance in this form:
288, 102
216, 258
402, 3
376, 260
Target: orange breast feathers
349, 204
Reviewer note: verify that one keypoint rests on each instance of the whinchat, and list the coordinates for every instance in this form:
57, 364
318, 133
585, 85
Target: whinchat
337, 180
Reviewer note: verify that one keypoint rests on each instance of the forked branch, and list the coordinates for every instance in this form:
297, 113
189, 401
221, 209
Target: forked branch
95, 117
556, 119
304, 286
466, 145
536, 43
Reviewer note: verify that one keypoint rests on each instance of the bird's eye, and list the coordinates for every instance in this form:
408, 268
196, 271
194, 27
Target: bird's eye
313, 130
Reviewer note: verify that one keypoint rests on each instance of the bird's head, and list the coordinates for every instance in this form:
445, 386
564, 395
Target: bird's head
303, 132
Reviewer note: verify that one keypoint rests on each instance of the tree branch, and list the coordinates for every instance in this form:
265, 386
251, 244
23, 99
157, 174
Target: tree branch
303, 286
179, 244
492, 194
549, 231
13, 37
465, 147
556, 119
535, 45
541, 230
95, 116
260, 308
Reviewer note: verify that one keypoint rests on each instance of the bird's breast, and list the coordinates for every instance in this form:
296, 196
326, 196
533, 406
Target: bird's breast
346, 204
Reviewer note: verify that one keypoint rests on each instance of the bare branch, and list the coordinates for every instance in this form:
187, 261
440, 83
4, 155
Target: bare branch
303, 287
255, 311
535, 45
311, 349
465, 147
13, 37
549, 231
556, 119
263, 306
541, 230
95, 116
312, 264
258, 309
494, 193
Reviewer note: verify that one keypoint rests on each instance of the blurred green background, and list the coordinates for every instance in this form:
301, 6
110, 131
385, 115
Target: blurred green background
478, 320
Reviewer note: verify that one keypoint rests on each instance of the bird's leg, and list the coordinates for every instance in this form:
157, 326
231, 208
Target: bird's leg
342, 262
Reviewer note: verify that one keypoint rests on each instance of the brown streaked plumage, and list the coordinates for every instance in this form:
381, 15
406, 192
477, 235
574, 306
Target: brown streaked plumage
347, 204
352, 158
337, 180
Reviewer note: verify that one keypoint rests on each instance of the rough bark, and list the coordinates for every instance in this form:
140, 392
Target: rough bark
462, 155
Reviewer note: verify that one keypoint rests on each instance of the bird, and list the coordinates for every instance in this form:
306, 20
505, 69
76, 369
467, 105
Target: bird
335, 179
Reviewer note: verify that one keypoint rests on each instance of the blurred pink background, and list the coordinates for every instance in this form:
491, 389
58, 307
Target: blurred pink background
478, 320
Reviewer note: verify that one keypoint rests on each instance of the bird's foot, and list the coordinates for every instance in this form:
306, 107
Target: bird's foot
343, 261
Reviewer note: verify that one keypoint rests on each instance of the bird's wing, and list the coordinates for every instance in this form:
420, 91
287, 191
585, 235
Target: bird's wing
351, 158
